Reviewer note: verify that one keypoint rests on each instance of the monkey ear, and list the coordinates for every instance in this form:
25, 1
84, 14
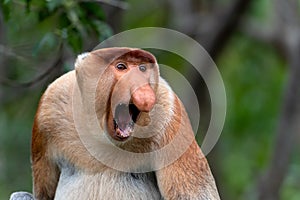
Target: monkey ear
80, 58
89, 66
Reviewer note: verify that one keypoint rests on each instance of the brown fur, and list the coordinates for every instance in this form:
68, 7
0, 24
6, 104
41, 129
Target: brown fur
65, 169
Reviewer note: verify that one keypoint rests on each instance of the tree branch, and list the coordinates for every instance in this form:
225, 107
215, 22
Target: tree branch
213, 30
2, 38
289, 126
56, 64
115, 3
288, 129
259, 32
224, 26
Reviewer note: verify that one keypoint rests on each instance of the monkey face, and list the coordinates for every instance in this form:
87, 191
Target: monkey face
133, 92
123, 83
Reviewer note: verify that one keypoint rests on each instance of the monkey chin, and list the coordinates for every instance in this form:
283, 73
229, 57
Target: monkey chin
124, 119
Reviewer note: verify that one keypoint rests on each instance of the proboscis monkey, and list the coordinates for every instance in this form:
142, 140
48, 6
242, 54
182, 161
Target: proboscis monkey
114, 129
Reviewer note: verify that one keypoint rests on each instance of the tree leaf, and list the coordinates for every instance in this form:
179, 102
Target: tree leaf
5, 7
92, 10
54, 4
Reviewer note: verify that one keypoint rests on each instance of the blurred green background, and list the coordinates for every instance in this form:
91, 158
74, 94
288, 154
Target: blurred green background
254, 44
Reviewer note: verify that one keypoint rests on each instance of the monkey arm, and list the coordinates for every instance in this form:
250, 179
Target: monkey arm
53, 110
45, 180
45, 172
189, 177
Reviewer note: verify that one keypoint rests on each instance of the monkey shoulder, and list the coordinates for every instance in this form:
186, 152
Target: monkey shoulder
56, 103
61, 88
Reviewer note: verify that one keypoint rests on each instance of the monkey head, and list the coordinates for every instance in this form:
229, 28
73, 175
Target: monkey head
122, 82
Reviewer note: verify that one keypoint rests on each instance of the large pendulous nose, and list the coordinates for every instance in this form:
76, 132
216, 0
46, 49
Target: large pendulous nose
144, 98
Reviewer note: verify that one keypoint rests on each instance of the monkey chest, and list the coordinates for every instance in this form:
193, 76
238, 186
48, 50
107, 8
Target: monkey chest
109, 185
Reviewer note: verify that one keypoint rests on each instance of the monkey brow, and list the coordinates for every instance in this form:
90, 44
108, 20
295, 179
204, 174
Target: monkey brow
138, 55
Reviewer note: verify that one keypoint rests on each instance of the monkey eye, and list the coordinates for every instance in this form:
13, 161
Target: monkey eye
142, 68
121, 66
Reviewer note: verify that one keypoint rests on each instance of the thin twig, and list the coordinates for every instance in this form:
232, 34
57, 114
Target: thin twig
57, 63
115, 3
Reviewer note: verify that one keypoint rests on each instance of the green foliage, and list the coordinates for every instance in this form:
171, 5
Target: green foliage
141, 14
261, 10
291, 185
61, 22
254, 79
15, 133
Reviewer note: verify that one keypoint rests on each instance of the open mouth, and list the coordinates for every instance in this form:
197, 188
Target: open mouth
124, 119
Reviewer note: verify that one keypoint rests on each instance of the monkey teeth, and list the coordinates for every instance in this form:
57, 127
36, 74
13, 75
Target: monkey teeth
124, 133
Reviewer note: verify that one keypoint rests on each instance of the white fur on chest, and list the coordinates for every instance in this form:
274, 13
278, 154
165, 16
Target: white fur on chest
109, 185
